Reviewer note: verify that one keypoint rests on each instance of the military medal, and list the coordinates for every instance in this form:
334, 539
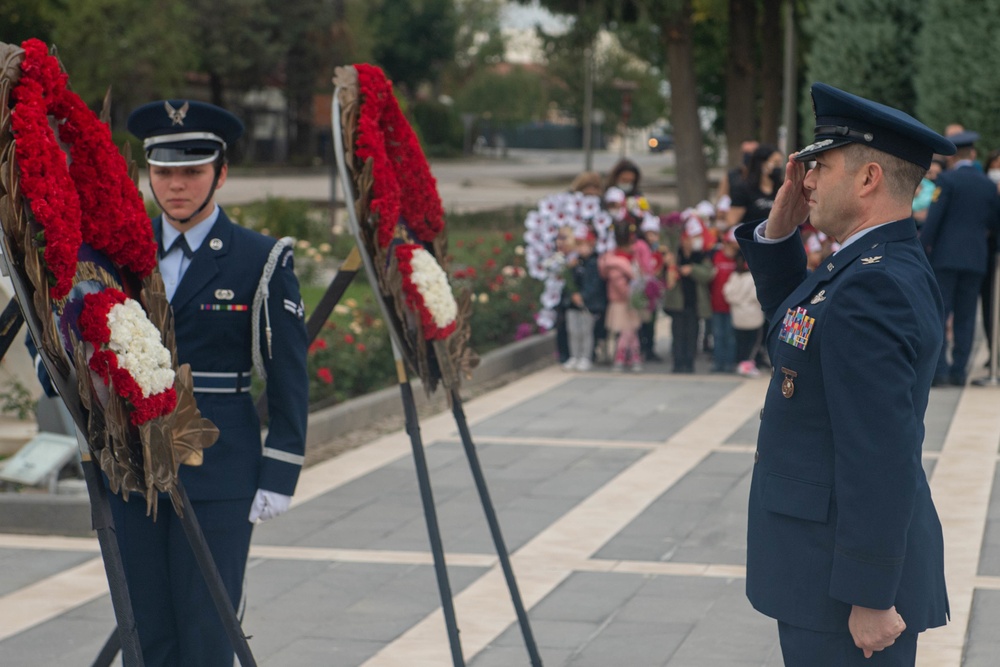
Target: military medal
788, 384
796, 328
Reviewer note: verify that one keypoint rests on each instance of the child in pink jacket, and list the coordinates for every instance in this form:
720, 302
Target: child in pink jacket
622, 319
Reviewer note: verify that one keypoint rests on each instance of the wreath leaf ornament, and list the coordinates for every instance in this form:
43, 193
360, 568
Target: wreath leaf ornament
402, 228
81, 245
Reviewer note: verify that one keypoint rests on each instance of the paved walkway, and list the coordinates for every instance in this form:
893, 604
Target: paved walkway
622, 498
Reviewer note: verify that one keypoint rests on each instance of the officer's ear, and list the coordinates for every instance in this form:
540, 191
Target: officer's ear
870, 176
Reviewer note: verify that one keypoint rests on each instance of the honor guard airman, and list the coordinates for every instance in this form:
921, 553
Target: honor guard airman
964, 209
844, 546
236, 307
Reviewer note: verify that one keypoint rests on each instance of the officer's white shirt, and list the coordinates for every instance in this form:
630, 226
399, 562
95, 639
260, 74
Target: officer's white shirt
175, 263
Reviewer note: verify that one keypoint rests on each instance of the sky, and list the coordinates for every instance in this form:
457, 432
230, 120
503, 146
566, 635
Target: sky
524, 16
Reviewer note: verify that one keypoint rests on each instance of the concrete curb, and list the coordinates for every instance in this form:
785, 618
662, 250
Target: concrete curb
69, 514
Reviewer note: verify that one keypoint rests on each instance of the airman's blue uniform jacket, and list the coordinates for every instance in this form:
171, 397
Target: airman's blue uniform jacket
965, 207
840, 511
212, 318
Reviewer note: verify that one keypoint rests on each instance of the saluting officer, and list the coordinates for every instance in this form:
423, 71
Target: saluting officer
236, 306
964, 209
844, 546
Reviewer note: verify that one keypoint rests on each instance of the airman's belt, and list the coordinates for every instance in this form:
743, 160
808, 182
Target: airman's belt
221, 383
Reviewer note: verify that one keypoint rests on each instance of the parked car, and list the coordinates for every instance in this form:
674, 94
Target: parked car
660, 141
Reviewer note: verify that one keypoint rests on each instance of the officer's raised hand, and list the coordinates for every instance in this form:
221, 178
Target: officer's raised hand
791, 204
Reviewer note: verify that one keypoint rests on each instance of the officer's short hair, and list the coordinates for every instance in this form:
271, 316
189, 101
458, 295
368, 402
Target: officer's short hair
901, 176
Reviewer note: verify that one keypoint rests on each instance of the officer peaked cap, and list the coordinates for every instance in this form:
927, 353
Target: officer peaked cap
843, 118
178, 133
964, 139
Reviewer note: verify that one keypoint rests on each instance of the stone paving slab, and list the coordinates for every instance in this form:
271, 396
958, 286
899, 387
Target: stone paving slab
598, 620
346, 576
701, 519
611, 406
21, 567
530, 486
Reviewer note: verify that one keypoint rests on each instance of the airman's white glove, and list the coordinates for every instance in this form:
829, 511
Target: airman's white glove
267, 505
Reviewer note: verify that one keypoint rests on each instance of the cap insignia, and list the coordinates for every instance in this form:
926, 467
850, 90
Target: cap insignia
176, 115
819, 144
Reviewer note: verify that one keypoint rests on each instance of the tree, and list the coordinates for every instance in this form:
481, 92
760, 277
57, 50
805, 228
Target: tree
867, 47
23, 19
414, 40
509, 94
236, 42
146, 59
741, 77
957, 81
674, 19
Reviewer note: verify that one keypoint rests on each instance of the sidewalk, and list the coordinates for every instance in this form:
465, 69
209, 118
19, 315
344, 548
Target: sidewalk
622, 499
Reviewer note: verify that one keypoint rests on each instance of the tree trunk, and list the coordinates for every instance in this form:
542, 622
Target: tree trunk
771, 40
741, 97
692, 179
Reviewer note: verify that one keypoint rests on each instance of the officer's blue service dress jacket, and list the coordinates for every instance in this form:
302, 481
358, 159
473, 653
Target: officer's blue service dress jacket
965, 207
840, 512
212, 318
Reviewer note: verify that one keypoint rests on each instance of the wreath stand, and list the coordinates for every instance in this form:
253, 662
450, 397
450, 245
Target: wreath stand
413, 430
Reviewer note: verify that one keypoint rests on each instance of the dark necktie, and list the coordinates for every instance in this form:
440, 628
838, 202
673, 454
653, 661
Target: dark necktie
180, 243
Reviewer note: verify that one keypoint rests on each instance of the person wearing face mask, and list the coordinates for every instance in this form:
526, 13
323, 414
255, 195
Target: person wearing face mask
752, 199
965, 207
625, 176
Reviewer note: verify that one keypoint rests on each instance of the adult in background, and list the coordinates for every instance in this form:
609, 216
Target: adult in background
214, 272
626, 177
964, 209
844, 546
986, 291
754, 195
732, 179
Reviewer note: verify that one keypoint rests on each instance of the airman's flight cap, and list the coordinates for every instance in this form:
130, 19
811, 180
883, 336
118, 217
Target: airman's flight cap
843, 118
178, 133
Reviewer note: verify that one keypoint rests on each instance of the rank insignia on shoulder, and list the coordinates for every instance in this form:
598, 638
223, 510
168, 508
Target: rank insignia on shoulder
871, 260
297, 309
224, 294
818, 296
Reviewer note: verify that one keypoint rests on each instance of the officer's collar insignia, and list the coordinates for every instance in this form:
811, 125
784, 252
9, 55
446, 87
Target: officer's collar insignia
819, 296
818, 144
871, 260
215, 244
829, 267
176, 115
224, 294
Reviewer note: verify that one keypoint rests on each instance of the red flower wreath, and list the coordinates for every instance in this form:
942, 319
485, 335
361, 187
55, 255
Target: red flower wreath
93, 200
414, 299
94, 329
403, 181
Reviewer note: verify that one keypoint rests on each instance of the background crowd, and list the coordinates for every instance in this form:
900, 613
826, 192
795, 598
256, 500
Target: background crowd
686, 266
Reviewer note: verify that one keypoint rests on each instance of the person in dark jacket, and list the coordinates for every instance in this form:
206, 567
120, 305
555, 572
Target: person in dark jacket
965, 209
236, 306
844, 545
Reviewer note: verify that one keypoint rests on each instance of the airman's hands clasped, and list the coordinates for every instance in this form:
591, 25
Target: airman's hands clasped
791, 204
874, 629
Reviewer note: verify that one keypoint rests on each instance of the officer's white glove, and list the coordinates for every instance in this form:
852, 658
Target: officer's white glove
267, 505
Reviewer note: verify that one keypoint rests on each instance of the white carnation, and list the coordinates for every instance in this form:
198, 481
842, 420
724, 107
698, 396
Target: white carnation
432, 283
136, 343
